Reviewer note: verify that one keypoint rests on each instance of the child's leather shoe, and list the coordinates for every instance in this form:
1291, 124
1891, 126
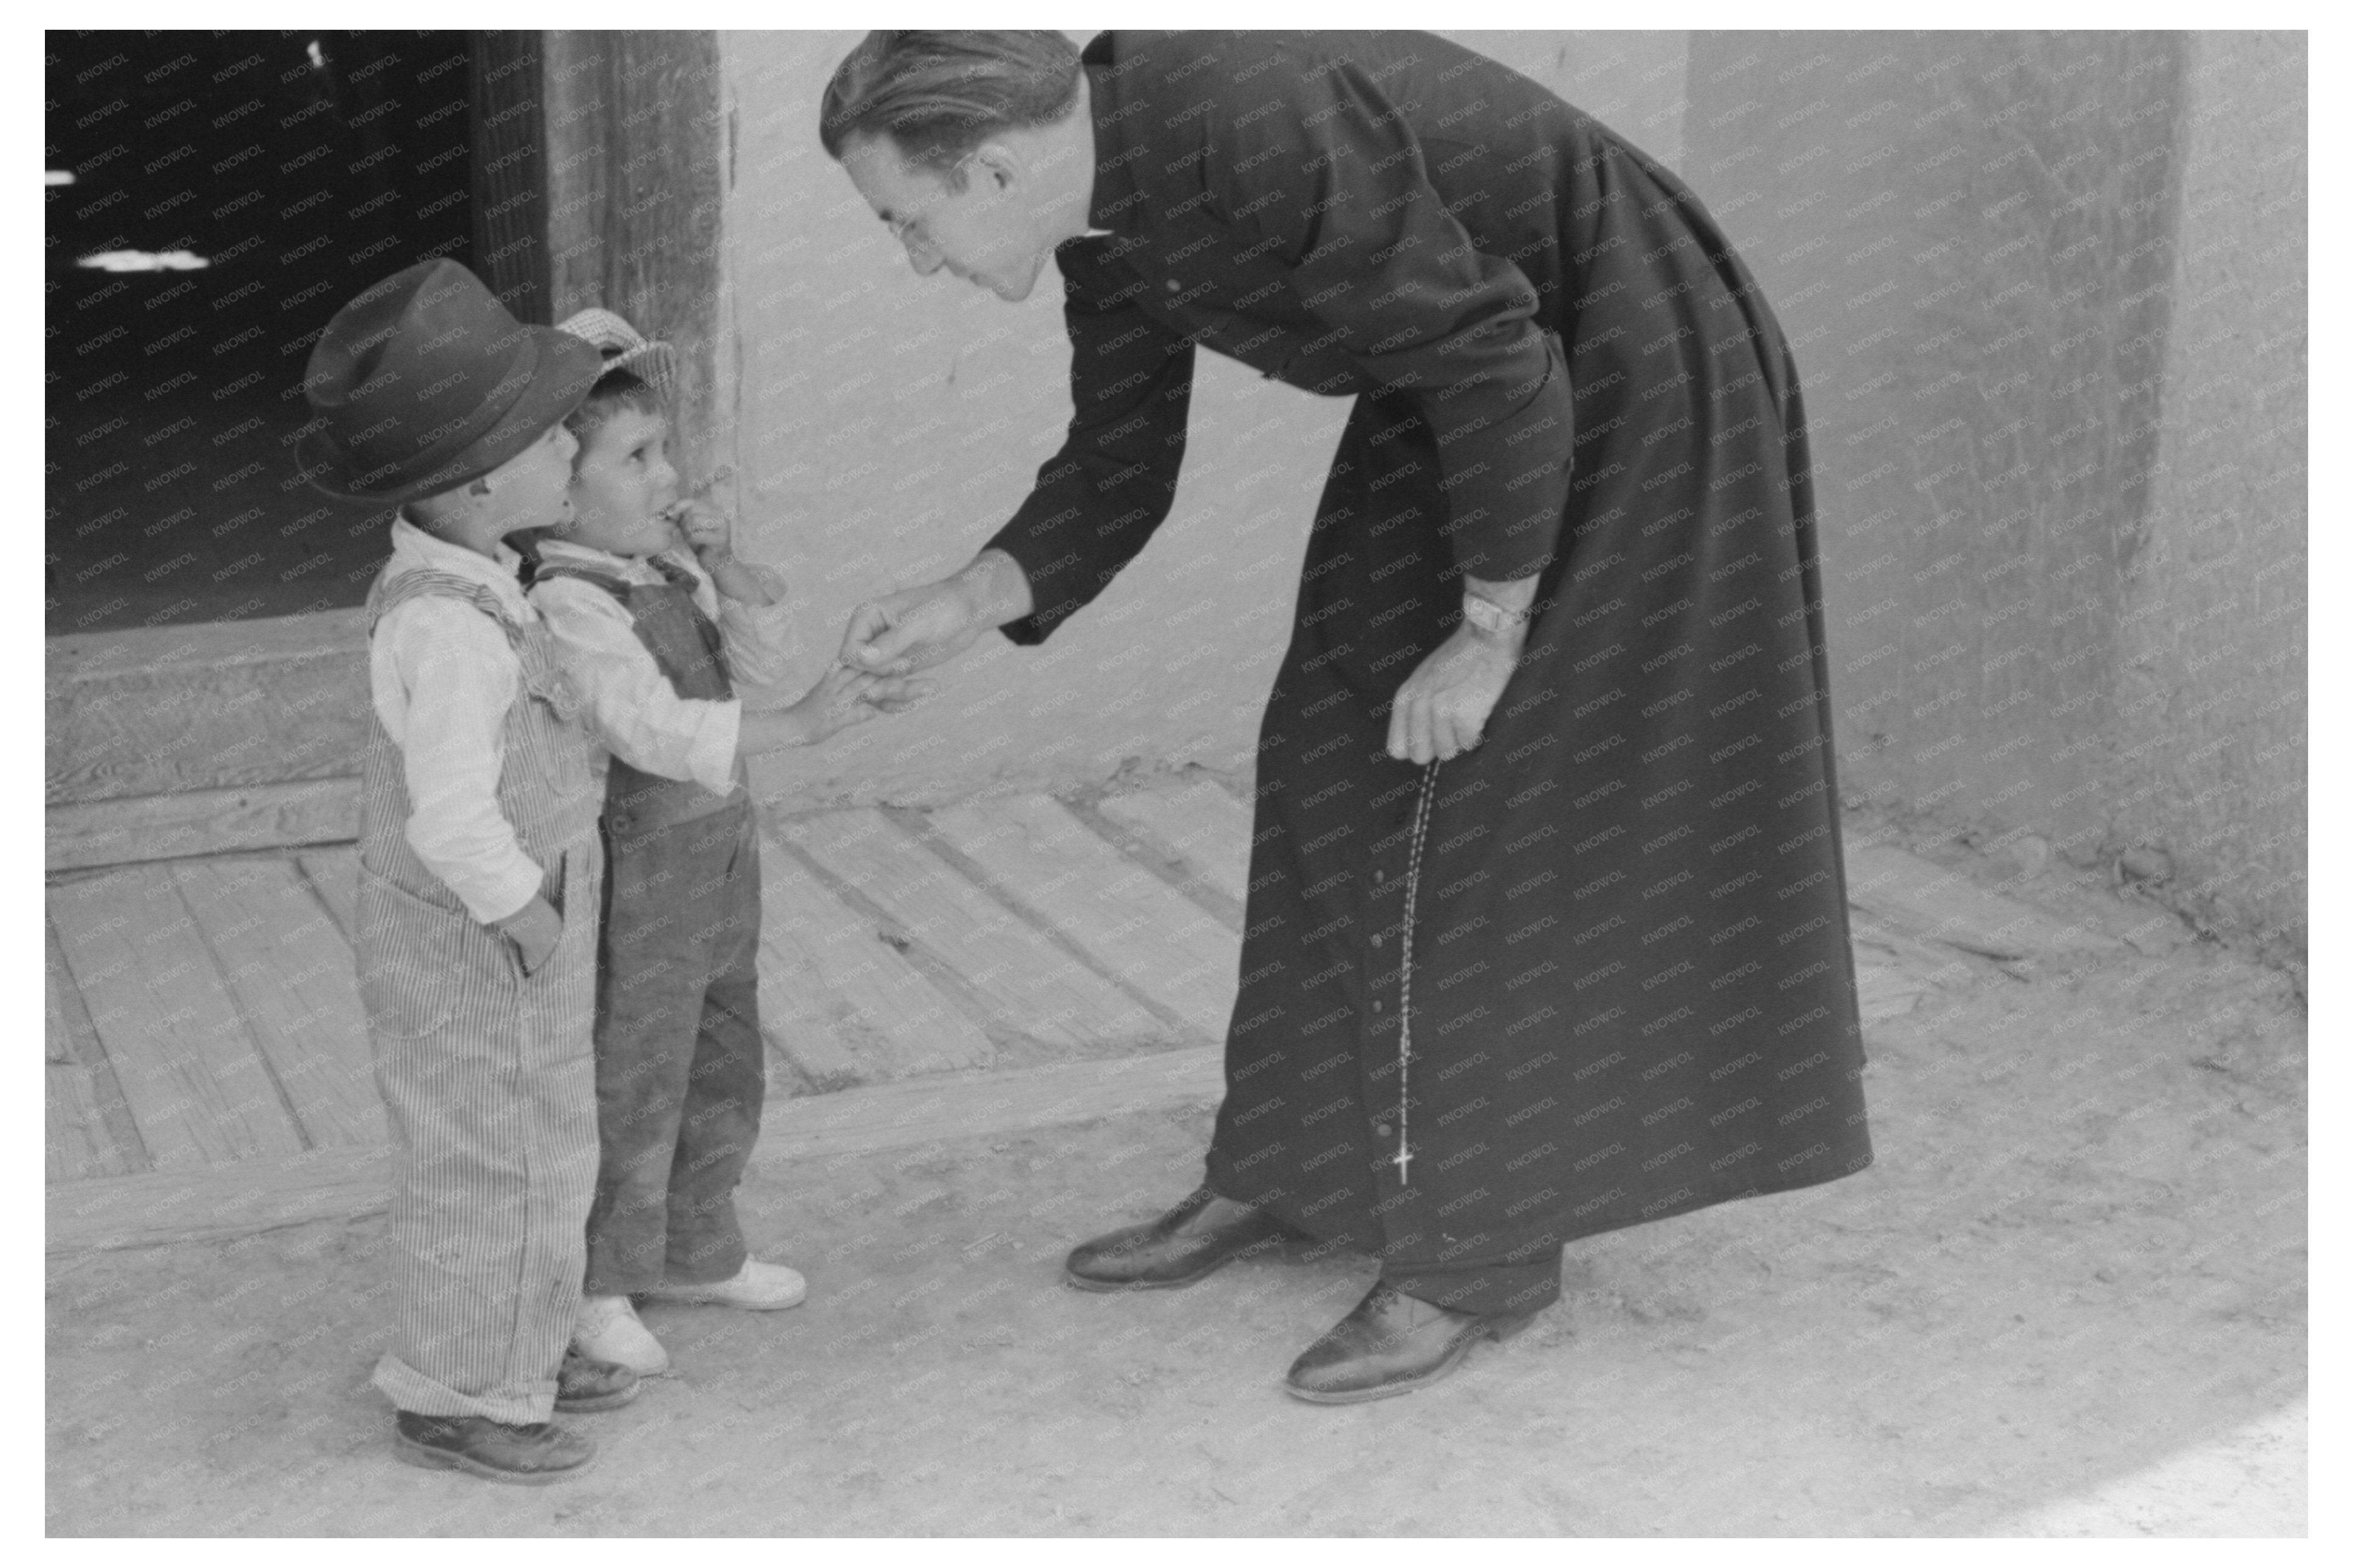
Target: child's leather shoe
530, 1455
757, 1286
584, 1383
607, 1331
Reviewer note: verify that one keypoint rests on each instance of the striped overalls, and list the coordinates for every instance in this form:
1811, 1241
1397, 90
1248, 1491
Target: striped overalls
680, 1074
487, 1074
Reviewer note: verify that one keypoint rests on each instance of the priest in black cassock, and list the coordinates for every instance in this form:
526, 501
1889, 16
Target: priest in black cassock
1546, 931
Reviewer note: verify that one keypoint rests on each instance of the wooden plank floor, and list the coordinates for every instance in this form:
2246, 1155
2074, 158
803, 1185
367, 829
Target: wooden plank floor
207, 1065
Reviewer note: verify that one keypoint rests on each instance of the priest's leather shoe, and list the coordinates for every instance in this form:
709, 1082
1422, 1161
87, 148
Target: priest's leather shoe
1191, 1242
529, 1454
1393, 1343
585, 1383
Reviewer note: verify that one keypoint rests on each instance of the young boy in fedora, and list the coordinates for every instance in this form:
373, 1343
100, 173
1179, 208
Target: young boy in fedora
480, 866
658, 622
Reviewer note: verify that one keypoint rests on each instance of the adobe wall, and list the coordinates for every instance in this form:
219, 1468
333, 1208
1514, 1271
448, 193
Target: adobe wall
2038, 284
2208, 755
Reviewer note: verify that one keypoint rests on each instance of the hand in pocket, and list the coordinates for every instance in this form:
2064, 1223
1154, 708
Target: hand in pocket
533, 929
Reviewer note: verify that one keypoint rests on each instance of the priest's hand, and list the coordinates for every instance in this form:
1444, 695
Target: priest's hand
1442, 710
917, 628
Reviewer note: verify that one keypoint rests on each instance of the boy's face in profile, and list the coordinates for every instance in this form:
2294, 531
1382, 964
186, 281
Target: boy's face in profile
621, 483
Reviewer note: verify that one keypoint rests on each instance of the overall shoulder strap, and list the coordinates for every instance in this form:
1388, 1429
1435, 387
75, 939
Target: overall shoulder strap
685, 582
606, 580
423, 582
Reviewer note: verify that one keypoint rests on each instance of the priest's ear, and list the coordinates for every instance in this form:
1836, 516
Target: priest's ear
995, 166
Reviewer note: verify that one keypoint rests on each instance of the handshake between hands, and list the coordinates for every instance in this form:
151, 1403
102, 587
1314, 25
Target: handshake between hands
885, 641
890, 638
847, 693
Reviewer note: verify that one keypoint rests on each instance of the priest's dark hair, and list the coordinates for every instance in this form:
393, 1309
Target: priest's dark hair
939, 95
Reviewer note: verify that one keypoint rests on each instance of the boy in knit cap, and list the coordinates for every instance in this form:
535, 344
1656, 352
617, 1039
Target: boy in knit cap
658, 622
480, 866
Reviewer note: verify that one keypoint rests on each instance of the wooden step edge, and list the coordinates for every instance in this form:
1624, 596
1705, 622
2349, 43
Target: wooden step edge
88, 835
215, 1201
989, 1102
220, 1202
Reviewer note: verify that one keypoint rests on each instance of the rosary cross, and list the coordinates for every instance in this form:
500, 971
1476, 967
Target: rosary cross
1400, 1159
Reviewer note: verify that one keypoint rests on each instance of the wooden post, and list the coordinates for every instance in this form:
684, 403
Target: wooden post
509, 170
634, 159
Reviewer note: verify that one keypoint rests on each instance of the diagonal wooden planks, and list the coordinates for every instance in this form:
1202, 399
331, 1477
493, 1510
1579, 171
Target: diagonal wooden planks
1028, 987
290, 973
1048, 865
1198, 822
198, 1087
97, 1097
838, 999
77, 1146
334, 875
56, 1031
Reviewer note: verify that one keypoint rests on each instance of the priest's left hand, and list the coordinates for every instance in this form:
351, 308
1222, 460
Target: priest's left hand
1442, 710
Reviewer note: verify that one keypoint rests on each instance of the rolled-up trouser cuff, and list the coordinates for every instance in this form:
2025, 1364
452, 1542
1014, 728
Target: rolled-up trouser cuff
517, 1404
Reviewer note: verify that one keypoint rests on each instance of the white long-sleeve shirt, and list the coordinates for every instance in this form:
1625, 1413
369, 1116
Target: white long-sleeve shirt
633, 709
442, 677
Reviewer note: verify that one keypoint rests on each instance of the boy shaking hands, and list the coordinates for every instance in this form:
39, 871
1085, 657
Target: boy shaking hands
658, 622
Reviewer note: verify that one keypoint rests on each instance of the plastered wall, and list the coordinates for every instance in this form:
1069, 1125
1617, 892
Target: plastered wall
2209, 754
2046, 293
884, 425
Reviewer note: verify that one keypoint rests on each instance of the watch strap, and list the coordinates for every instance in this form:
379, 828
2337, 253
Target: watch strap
1490, 617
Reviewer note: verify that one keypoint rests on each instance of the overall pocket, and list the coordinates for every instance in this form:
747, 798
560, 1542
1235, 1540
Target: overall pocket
552, 887
416, 957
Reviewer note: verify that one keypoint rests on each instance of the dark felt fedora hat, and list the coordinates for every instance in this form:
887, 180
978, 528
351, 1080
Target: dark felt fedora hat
425, 381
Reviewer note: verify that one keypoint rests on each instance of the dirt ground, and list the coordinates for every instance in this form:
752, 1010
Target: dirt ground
2068, 1298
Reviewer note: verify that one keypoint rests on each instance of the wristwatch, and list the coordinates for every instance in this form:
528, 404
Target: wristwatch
1492, 617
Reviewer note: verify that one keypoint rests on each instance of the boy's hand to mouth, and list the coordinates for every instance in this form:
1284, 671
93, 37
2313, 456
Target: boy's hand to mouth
700, 525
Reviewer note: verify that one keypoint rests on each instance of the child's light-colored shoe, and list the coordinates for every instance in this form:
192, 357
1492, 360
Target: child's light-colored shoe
607, 1331
758, 1288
